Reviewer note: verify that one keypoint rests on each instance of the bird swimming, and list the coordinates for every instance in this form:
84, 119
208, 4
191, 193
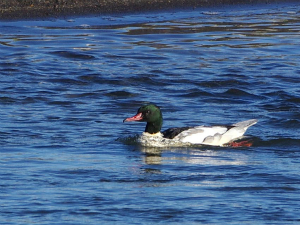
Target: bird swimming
219, 135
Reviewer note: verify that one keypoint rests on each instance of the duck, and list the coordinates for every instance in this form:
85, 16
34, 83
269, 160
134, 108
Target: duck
217, 135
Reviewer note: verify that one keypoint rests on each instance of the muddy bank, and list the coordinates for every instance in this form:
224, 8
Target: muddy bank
25, 9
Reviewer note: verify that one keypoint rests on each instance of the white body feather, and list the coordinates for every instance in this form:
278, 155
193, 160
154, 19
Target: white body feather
215, 135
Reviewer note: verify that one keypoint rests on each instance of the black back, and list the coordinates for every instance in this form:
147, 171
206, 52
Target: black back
173, 132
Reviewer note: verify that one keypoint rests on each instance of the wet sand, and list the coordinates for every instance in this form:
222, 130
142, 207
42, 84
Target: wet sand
27, 9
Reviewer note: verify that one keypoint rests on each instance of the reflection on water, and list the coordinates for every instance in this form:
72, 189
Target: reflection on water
201, 156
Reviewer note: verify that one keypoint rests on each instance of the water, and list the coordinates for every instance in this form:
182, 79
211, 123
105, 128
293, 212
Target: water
67, 84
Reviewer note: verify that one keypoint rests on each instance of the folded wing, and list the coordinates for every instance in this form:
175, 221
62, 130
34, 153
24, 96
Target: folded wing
215, 135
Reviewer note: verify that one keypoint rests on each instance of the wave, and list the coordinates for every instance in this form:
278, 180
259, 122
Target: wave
73, 55
278, 142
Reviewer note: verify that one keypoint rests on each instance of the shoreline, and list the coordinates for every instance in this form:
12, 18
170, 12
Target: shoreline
42, 9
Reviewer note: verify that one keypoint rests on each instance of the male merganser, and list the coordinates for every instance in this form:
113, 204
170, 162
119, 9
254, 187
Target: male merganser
205, 135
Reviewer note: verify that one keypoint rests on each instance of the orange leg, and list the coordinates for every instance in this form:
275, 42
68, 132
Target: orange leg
247, 143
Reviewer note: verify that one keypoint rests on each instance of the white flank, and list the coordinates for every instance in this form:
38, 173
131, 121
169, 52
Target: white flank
198, 135
215, 135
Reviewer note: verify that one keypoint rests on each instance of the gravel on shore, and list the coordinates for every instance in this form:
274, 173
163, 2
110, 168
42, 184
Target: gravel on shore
27, 9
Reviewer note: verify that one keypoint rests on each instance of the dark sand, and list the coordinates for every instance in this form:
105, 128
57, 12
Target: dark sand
28, 9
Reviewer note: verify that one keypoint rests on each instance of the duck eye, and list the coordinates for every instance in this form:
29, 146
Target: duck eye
148, 112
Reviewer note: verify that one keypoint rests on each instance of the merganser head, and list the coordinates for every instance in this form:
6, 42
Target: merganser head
150, 114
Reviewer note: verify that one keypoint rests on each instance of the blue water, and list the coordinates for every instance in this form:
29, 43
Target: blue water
67, 84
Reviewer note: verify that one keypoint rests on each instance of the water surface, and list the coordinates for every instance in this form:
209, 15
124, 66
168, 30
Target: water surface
67, 84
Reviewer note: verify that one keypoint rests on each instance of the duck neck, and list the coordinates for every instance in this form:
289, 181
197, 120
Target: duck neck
153, 128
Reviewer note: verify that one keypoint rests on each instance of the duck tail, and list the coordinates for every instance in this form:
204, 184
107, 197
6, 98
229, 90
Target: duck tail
245, 124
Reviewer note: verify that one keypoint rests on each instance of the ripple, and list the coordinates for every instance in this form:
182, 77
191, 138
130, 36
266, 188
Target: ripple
192, 93
233, 92
73, 55
7, 100
120, 94
279, 142
223, 83
67, 81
